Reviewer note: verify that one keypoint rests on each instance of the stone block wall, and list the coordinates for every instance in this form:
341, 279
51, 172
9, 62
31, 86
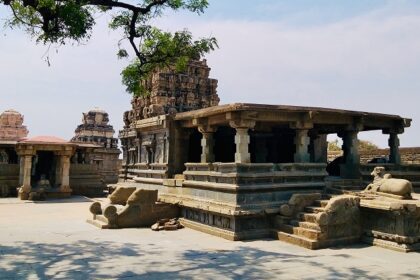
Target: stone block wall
85, 179
409, 155
9, 179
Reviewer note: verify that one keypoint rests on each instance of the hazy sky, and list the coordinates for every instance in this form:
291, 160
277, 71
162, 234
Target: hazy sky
360, 55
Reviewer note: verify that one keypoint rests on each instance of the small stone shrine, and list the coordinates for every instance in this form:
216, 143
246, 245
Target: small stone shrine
49, 167
245, 171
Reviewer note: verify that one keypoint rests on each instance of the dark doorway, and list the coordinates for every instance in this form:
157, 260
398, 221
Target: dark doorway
44, 163
281, 146
224, 144
194, 146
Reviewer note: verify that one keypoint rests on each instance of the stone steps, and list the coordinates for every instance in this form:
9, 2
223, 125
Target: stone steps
321, 202
304, 231
307, 225
297, 240
307, 217
301, 231
314, 209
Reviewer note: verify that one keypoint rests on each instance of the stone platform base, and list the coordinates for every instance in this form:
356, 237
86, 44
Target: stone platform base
57, 194
50, 194
400, 247
226, 234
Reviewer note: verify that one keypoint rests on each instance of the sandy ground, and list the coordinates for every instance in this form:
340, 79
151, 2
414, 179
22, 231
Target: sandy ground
51, 240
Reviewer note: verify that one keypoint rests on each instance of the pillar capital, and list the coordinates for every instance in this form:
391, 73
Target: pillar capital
301, 125
242, 124
205, 129
393, 130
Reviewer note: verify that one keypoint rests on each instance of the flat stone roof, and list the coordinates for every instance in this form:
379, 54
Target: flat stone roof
45, 140
285, 108
326, 120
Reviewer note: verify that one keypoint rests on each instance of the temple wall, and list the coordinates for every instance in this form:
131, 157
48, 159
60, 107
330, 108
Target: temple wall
9, 179
408, 155
85, 179
108, 165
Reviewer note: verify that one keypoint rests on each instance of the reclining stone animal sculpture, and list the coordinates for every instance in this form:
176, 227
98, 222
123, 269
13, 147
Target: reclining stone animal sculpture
384, 183
131, 207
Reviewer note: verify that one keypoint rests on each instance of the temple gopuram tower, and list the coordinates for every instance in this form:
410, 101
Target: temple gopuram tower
97, 145
172, 92
11, 126
95, 128
148, 125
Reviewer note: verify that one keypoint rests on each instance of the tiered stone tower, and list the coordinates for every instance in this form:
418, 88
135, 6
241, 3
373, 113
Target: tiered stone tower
103, 154
11, 126
172, 92
95, 129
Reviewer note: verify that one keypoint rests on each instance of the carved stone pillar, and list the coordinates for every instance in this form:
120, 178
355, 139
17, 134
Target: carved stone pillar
351, 167
25, 189
302, 141
65, 175
138, 147
394, 150
318, 148
58, 171
242, 139
21, 169
207, 144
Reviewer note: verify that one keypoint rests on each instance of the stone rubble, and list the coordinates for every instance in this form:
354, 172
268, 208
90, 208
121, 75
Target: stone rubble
167, 224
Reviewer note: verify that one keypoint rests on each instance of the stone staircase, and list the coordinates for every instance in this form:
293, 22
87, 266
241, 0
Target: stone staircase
304, 230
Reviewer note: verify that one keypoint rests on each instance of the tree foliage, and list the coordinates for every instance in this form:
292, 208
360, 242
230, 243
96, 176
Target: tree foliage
364, 145
63, 21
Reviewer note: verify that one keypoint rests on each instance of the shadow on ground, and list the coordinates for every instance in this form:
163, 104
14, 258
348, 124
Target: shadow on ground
109, 260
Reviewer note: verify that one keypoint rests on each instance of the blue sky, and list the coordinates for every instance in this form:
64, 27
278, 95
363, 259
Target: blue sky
360, 55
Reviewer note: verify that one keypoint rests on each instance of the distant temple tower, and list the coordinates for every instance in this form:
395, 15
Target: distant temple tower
11, 126
97, 146
172, 92
96, 130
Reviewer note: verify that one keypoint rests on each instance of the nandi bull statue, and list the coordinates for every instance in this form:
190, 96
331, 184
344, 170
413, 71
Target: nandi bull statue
384, 183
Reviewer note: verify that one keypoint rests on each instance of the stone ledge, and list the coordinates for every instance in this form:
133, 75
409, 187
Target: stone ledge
226, 234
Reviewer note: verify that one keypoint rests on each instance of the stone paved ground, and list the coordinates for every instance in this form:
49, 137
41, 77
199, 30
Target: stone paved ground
51, 240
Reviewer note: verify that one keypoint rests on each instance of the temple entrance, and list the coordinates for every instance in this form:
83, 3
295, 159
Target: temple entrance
44, 164
194, 147
224, 144
279, 143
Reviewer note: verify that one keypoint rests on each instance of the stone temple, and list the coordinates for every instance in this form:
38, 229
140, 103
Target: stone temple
245, 171
48, 166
